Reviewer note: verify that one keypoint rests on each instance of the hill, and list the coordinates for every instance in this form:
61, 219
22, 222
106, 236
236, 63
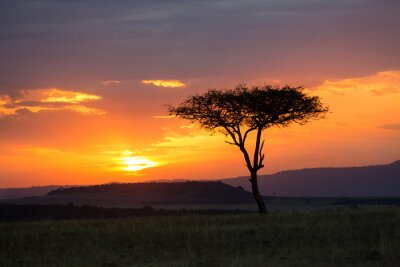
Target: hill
379, 180
125, 195
9, 193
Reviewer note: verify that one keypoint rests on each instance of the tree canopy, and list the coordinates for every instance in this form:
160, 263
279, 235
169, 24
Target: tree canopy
242, 110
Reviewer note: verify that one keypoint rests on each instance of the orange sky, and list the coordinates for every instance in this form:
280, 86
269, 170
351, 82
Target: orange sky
84, 104
79, 142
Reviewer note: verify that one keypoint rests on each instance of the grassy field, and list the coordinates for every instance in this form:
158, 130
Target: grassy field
334, 237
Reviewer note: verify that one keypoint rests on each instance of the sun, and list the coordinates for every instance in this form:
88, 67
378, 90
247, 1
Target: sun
137, 163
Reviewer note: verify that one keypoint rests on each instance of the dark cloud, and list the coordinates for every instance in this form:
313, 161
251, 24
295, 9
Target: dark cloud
64, 43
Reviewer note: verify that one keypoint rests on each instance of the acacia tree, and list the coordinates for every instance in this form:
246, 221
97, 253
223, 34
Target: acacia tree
241, 111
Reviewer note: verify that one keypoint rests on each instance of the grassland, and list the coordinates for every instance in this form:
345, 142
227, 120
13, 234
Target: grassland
334, 237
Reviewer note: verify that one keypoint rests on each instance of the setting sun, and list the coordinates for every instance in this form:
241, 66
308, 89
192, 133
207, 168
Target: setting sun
137, 163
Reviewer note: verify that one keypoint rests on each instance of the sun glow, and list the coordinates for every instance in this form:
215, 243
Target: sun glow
137, 163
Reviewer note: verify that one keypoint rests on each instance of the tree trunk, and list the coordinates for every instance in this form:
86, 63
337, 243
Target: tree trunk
256, 193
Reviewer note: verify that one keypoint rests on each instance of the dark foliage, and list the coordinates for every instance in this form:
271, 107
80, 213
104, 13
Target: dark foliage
242, 110
369, 201
14, 213
254, 108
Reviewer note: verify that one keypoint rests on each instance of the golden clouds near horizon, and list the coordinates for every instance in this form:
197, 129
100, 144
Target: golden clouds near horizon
362, 128
381, 83
54, 99
371, 100
5, 109
359, 108
55, 95
165, 83
164, 117
85, 110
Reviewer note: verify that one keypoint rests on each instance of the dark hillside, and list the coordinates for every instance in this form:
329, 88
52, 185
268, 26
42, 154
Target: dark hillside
190, 191
366, 181
120, 195
9, 193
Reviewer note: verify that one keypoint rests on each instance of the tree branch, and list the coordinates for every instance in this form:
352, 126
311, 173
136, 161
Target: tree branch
247, 158
257, 149
260, 162
230, 143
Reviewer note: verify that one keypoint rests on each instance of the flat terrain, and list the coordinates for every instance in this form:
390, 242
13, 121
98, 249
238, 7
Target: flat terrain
273, 203
364, 236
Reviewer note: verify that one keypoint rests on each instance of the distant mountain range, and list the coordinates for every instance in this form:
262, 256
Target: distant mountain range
379, 180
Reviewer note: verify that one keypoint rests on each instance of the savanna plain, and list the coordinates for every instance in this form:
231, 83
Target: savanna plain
346, 236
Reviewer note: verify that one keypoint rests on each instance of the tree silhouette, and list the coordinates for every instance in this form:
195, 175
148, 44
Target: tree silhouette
242, 110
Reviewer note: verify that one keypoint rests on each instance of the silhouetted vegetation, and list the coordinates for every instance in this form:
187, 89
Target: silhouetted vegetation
190, 191
367, 237
241, 111
15, 213
379, 201
135, 195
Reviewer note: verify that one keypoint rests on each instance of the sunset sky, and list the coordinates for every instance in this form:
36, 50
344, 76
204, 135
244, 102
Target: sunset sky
84, 85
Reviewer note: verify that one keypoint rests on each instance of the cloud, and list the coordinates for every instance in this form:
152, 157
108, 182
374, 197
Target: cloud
5, 109
395, 126
164, 117
110, 82
186, 40
85, 110
381, 83
56, 95
48, 99
165, 83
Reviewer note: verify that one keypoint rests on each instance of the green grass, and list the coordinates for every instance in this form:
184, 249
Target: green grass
335, 237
